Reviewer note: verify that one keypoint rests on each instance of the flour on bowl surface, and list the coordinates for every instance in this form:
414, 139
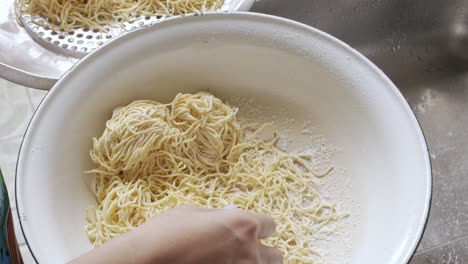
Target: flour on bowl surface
299, 135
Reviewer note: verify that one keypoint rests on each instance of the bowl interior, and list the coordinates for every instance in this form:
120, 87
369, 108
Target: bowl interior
295, 71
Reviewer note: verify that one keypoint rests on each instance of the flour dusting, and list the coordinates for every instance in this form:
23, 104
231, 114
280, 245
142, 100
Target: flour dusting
299, 135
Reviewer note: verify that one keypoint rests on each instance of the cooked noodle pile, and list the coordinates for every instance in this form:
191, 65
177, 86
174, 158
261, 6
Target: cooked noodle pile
153, 157
71, 14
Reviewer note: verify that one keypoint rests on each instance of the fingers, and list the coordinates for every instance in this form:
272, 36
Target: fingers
247, 227
231, 206
261, 225
265, 225
270, 255
188, 207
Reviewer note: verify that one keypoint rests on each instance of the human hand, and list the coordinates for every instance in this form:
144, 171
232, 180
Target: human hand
190, 234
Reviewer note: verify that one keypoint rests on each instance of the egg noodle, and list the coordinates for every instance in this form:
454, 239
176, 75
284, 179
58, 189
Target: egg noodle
153, 157
95, 14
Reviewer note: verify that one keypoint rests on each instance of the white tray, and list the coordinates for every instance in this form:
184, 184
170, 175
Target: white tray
25, 62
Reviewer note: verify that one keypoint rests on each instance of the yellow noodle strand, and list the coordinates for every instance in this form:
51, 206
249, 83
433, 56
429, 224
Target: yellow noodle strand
67, 15
153, 157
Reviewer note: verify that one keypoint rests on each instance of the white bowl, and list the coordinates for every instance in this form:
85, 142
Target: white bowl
280, 63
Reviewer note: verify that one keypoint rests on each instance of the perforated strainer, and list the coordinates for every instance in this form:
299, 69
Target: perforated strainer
79, 42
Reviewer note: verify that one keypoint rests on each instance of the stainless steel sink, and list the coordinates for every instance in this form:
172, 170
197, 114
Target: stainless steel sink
422, 45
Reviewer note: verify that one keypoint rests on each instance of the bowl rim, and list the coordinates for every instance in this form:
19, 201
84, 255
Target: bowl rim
242, 15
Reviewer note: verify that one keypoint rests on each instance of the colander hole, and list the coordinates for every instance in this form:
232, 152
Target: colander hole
108, 36
46, 28
90, 43
55, 42
141, 23
147, 17
35, 27
133, 28
71, 32
98, 37
95, 30
79, 35
71, 40
48, 39
85, 29
74, 48
83, 49
89, 37
61, 37
54, 33
100, 43
65, 46
41, 34
79, 42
